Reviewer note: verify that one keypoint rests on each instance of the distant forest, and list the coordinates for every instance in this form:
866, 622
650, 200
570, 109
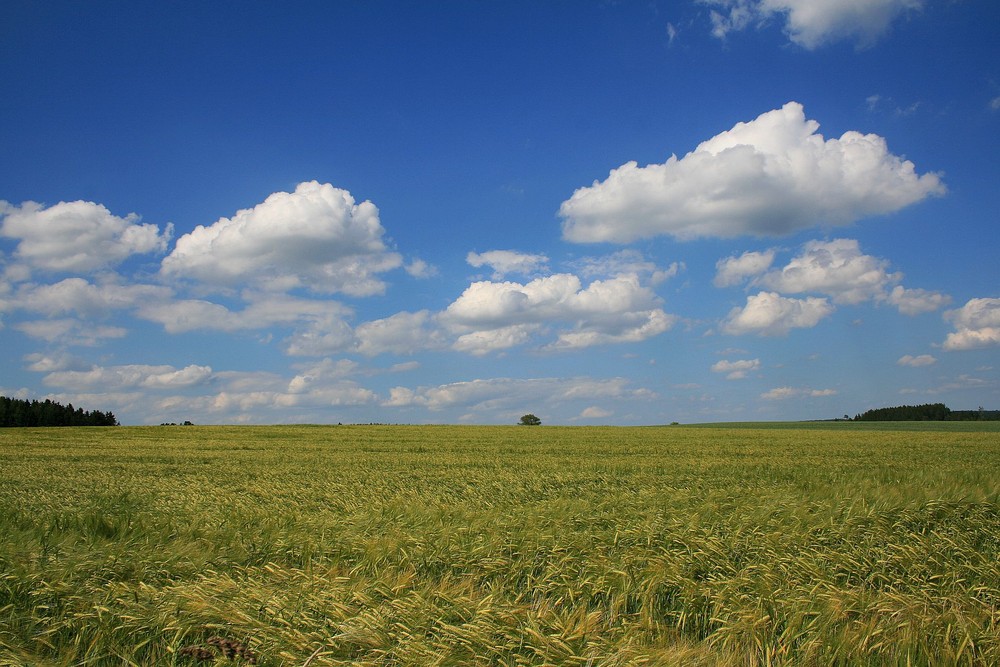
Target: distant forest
15, 412
928, 412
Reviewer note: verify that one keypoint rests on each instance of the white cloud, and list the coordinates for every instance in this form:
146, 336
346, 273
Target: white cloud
46, 363
977, 325
917, 301
402, 333
784, 393
480, 343
312, 375
595, 412
837, 268
916, 362
737, 370
770, 314
117, 378
76, 295
324, 335
631, 328
315, 238
769, 177
418, 268
619, 309
77, 236
995, 104
504, 262
813, 23
69, 331
734, 270
623, 262
502, 394
263, 310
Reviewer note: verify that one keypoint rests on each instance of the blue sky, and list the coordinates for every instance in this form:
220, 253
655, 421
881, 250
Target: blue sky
461, 212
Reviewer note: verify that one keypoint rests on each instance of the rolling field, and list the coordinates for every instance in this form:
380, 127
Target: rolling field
452, 545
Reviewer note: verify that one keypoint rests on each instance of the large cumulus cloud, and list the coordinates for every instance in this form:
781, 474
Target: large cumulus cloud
772, 176
316, 238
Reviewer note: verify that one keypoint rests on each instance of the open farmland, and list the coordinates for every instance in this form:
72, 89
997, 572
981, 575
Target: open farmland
390, 545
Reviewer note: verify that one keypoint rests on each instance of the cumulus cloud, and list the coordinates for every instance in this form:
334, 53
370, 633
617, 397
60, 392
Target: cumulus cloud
770, 314
916, 362
504, 262
77, 236
837, 268
619, 309
736, 370
812, 23
977, 325
772, 176
734, 270
315, 238
917, 301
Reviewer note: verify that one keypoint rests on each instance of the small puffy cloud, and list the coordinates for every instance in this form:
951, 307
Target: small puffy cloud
77, 236
619, 309
977, 325
734, 270
315, 238
917, 301
916, 362
312, 375
995, 104
770, 314
772, 176
480, 343
784, 393
736, 370
504, 262
595, 412
116, 378
418, 268
812, 23
837, 268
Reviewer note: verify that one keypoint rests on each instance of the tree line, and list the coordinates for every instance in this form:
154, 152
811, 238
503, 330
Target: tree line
17, 412
926, 412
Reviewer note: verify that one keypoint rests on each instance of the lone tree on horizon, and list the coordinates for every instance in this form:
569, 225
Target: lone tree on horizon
529, 420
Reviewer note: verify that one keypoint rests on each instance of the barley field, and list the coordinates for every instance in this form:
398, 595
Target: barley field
456, 545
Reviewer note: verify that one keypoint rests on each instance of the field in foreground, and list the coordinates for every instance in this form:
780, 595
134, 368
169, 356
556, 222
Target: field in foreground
389, 545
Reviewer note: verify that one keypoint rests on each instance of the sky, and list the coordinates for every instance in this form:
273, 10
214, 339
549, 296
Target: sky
461, 212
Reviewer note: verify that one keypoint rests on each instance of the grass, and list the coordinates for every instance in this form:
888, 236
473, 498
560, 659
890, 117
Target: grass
392, 545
